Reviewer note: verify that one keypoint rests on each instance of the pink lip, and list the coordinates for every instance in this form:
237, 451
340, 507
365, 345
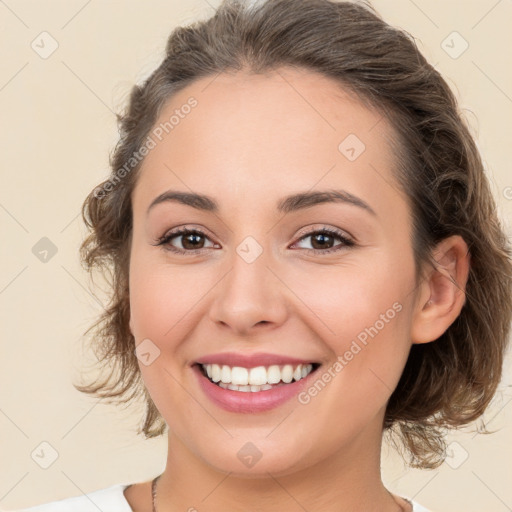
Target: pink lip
250, 361
249, 402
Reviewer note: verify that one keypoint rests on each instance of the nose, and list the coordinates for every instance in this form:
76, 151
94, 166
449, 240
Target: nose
249, 298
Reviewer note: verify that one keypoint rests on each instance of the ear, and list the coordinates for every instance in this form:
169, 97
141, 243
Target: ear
442, 294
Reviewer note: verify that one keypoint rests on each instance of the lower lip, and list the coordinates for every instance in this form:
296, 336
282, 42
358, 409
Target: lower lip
250, 402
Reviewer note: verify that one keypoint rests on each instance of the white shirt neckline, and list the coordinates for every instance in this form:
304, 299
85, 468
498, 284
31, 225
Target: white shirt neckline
112, 499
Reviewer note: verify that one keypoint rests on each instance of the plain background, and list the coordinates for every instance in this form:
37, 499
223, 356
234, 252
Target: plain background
57, 129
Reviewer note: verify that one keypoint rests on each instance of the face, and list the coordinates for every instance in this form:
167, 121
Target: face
317, 280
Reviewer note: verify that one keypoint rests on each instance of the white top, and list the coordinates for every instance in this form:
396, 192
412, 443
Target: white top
110, 499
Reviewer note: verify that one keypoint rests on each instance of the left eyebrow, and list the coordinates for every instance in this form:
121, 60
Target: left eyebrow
308, 199
288, 204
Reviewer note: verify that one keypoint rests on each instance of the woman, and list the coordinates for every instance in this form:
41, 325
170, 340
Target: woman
305, 255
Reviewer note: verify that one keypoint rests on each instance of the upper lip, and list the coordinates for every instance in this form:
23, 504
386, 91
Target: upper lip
252, 360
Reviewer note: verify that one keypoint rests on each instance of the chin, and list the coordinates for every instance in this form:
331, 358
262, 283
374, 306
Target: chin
246, 460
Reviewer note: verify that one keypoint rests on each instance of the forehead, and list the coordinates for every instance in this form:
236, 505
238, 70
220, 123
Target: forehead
252, 136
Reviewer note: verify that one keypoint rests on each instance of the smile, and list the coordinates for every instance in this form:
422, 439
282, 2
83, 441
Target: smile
279, 385
260, 378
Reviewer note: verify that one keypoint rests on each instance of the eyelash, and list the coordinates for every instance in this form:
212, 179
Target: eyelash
164, 241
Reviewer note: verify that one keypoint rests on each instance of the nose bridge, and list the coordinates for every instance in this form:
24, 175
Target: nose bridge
249, 294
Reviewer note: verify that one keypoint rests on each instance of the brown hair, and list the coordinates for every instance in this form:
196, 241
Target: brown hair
447, 383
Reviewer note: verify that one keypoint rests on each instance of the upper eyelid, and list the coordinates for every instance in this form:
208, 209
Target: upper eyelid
335, 231
183, 230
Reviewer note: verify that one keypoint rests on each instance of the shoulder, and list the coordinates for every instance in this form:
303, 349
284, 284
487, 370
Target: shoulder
416, 507
109, 499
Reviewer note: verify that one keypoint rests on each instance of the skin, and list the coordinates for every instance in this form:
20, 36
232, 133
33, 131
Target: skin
251, 140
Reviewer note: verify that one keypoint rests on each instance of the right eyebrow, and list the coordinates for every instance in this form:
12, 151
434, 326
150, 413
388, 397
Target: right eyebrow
199, 201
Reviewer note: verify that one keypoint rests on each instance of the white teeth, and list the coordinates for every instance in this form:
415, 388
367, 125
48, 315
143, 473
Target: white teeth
287, 374
273, 374
225, 374
255, 379
258, 376
239, 376
215, 370
245, 388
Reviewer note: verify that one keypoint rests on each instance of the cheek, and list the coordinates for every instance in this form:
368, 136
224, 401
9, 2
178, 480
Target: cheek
352, 301
162, 310
364, 320
160, 296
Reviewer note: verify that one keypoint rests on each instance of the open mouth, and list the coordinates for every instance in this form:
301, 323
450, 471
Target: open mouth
256, 379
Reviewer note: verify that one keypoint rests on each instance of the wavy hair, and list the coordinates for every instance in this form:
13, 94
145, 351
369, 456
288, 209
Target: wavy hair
445, 384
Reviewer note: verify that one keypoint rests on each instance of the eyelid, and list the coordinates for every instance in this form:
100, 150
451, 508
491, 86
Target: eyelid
315, 228
347, 240
184, 228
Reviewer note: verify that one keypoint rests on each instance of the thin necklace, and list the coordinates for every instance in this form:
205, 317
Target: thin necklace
153, 494
153, 491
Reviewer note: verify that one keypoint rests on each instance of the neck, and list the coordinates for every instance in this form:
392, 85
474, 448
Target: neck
345, 481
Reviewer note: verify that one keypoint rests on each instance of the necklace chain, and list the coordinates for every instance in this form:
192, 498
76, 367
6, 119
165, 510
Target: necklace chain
153, 493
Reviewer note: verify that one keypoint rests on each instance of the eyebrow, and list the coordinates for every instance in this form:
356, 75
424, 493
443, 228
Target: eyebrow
288, 204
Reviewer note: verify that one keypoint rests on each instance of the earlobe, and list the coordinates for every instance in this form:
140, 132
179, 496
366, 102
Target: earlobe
442, 294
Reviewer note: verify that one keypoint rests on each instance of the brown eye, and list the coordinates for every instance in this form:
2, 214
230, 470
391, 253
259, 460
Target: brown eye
324, 241
192, 241
185, 241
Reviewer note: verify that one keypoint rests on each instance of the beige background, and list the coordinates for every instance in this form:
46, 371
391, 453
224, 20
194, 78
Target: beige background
57, 129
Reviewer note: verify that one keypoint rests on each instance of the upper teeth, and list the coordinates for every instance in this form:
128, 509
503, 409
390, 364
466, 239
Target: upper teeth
257, 376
